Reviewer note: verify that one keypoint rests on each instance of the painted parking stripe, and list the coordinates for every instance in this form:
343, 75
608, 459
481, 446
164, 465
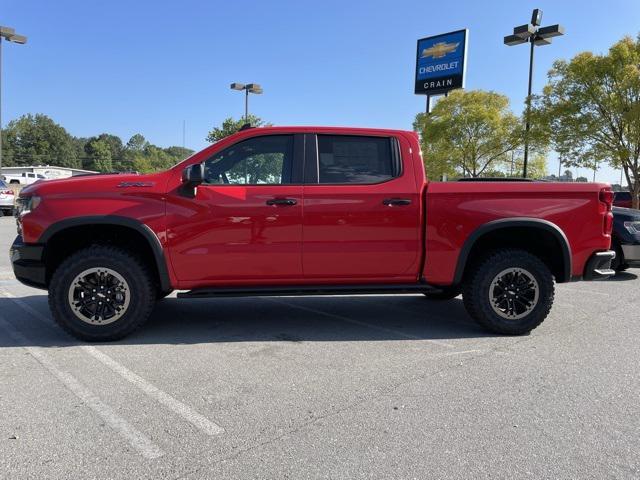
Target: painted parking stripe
138, 440
187, 413
360, 323
199, 421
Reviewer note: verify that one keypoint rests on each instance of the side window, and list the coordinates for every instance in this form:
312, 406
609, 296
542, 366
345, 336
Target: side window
260, 160
623, 196
356, 159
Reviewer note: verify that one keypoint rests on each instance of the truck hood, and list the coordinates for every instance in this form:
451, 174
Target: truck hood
95, 184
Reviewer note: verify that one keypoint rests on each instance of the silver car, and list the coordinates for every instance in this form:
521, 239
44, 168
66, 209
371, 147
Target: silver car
7, 199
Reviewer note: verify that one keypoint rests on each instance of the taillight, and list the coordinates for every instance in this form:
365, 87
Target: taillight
606, 197
7, 192
606, 202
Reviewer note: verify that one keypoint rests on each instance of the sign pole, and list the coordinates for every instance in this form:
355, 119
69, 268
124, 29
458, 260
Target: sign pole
428, 104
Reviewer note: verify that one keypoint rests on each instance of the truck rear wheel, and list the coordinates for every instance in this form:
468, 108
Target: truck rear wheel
509, 292
101, 293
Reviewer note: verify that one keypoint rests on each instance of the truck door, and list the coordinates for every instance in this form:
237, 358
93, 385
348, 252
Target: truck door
245, 224
361, 210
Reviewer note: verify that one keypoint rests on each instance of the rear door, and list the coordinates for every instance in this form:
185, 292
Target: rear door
361, 210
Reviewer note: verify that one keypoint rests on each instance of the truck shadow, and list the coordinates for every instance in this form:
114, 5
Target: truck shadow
230, 320
622, 277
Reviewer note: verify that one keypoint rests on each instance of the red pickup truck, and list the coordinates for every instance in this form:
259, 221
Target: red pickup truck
305, 211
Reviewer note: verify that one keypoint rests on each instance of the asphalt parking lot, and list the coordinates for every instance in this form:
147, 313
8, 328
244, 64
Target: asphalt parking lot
331, 387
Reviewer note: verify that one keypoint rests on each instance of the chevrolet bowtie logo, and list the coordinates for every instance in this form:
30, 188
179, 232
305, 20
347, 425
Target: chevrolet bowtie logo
439, 50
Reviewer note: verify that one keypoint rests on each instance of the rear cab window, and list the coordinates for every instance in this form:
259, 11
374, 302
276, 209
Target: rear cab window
346, 159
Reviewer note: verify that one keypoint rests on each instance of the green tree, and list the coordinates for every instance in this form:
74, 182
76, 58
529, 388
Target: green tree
468, 133
230, 126
590, 110
116, 160
38, 140
136, 143
536, 165
155, 158
144, 157
99, 155
178, 153
142, 164
134, 149
78, 145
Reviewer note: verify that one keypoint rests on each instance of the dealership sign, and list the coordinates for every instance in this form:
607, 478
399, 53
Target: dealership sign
440, 63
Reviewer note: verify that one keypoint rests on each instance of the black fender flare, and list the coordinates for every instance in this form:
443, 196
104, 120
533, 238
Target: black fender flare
144, 230
516, 222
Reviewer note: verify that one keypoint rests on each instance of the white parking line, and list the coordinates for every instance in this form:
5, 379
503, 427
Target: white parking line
138, 440
463, 352
361, 323
187, 413
203, 424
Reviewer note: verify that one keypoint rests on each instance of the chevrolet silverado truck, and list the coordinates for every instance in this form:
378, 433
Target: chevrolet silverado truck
306, 211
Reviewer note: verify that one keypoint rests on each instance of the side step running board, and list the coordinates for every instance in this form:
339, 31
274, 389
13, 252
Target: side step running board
300, 290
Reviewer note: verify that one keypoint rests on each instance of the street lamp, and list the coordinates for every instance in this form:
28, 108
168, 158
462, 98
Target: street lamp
10, 35
248, 88
536, 36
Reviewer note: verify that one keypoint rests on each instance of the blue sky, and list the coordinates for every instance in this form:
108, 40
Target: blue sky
145, 66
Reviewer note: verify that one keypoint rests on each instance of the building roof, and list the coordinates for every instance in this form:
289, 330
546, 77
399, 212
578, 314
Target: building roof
21, 167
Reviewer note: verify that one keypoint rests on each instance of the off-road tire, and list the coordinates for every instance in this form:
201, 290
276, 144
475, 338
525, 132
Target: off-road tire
129, 266
444, 293
477, 284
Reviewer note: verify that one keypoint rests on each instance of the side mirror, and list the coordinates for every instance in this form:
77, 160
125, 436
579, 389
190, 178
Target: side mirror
192, 176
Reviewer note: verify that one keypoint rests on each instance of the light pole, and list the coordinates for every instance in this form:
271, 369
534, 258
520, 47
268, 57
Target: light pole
248, 88
11, 35
536, 36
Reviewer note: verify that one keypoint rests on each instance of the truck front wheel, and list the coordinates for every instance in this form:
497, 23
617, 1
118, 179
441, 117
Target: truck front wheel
101, 293
509, 292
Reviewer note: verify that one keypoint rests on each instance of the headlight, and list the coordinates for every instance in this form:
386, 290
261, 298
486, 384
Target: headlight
26, 204
633, 227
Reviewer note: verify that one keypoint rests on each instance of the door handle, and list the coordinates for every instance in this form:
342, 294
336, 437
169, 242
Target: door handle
396, 202
281, 201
